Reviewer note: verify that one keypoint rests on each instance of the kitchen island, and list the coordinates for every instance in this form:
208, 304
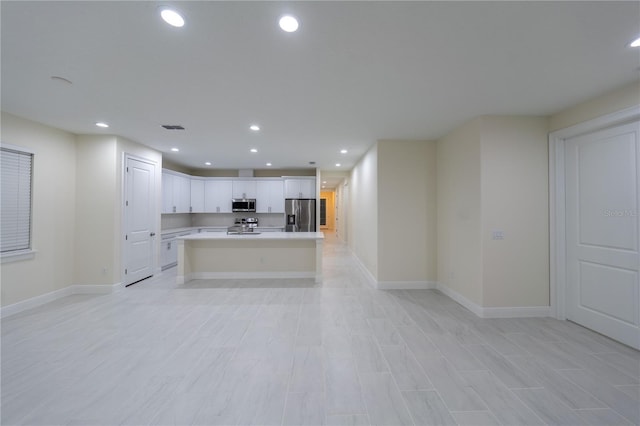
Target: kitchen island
250, 255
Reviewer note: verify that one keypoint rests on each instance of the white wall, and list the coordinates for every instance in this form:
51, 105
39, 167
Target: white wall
406, 211
363, 211
514, 189
459, 211
54, 214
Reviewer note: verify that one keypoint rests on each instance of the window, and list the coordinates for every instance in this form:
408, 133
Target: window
16, 168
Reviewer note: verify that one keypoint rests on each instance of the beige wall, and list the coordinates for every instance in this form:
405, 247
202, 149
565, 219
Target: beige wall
95, 225
616, 100
54, 215
99, 211
514, 199
493, 175
406, 211
459, 211
363, 211
77, 209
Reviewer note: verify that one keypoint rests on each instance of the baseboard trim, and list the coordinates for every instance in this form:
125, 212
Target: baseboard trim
391, 285
501, 312
249, 275
406, 285
369, 278
43, 299
473, 307
96, 289
34, 302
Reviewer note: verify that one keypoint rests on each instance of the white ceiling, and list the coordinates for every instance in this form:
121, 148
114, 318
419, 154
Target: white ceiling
355, 72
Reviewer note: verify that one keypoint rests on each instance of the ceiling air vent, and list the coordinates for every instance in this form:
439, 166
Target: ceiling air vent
173, 127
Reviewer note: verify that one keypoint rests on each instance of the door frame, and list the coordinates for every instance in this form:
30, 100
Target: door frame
557, 197
123, 215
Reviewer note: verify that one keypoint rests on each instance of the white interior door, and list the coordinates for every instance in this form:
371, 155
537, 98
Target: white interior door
602, 180
139, 220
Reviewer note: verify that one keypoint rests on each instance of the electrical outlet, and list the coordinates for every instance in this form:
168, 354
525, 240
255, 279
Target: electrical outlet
497, 234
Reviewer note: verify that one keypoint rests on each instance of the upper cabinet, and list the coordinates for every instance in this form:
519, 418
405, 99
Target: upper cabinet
244, 188
193, 194
176, 193
270, 196
300, 187
217, 196
197, 195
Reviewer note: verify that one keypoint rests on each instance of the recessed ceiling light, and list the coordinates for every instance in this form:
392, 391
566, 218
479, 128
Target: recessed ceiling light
635, 43
324, 181
101, 124
208, 163
253, 150
172, 18
338, 164
268, 164
288, 23
175, 149
343, 151
323, 186
254, 127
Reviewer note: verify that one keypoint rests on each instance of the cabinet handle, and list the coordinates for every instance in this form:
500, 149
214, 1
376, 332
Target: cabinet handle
269, 209
174, 209
169, 246
191, 209
217, 209
153, 234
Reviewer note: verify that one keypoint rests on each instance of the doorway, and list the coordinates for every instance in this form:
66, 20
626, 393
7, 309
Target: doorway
596, 236
139, 219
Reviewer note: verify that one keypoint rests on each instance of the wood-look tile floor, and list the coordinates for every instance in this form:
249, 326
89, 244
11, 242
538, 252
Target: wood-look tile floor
270, 352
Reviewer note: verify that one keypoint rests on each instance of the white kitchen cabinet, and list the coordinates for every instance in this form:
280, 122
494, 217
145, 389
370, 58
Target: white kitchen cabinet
244, 188
301, 187
217, 196
167, 192
182, 193
197, 195
169, 249
176, 193
270, 196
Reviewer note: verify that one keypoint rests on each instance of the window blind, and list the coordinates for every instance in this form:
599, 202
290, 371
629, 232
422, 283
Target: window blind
15, 222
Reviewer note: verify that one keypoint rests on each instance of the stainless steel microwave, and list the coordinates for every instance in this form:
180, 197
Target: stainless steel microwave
243, 205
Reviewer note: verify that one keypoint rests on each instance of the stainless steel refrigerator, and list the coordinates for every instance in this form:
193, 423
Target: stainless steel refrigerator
300, 215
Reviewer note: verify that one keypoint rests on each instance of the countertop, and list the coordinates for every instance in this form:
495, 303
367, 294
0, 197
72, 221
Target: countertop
249, 236
216, 228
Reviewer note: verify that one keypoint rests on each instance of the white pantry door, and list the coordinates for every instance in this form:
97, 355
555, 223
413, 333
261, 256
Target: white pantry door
602, 181
139, 220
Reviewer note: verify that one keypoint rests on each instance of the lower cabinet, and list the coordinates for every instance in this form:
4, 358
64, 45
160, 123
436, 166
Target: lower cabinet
169, 249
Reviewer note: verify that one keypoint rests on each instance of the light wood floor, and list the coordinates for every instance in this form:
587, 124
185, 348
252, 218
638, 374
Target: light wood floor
293, 353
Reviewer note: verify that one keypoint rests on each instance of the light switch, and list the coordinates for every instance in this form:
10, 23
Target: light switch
497, 234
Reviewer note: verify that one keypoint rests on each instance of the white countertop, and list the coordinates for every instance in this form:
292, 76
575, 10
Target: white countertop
249, 236
219, 228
